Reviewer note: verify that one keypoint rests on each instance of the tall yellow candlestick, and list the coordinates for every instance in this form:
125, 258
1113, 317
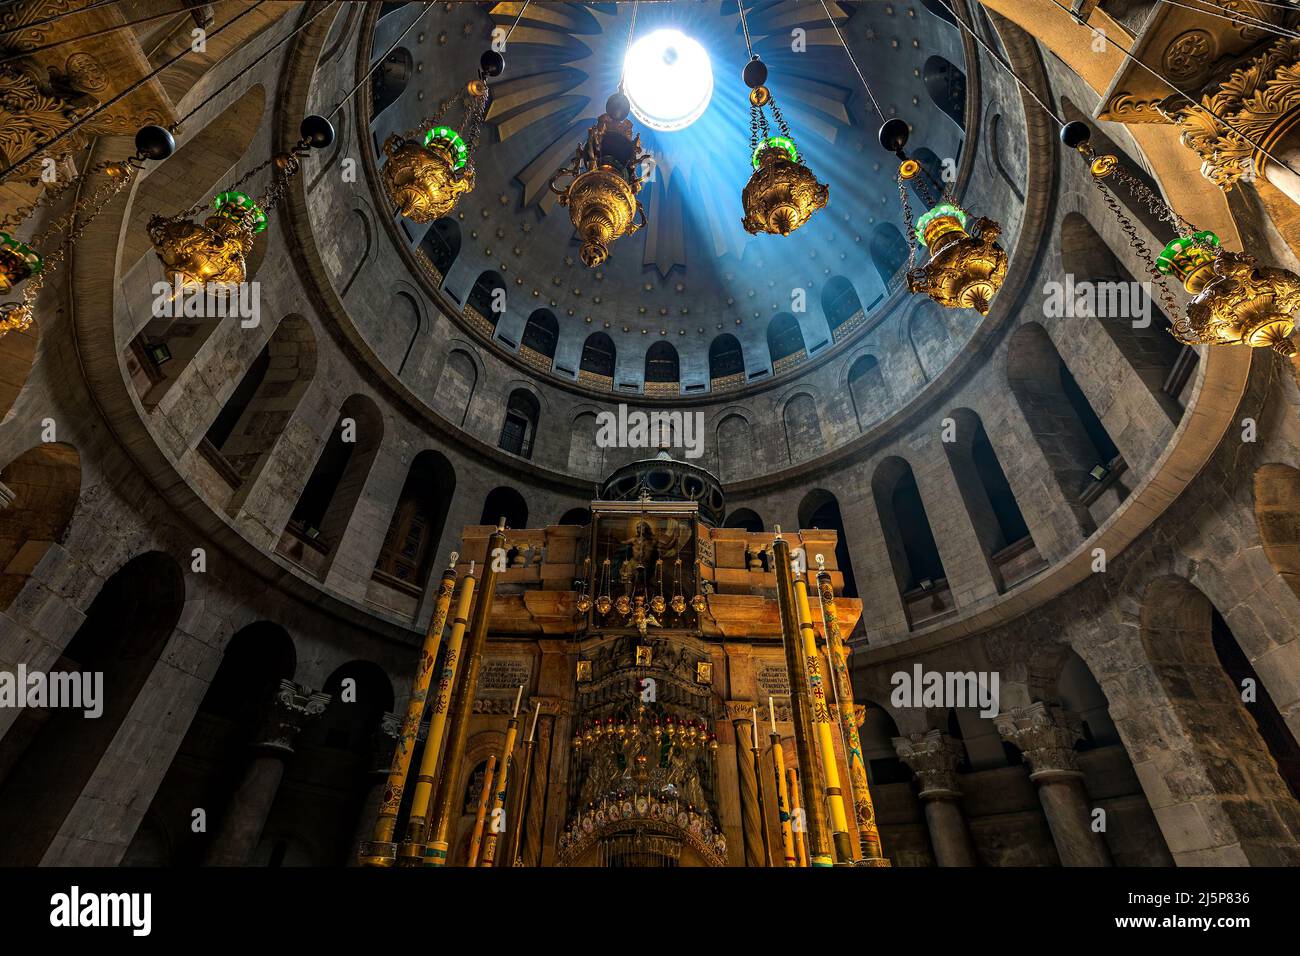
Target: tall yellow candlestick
864, 810
382, 851
411, 852
822, 723
497, 826
521, 805
481, 814
782, 797
797, 818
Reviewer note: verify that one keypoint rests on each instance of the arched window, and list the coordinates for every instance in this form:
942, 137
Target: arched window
45, 483
409, 548
580, 517
597, 366
441, 246
505, 502
990, 503
946, 85
821, 509
888, 251
913, 554
52, 753
842, 307
486, 302
519, 429
726, 363
1104, 290
325, 506
868, 391
540, 335
662, 373
391, 79
1084, 461
785, 342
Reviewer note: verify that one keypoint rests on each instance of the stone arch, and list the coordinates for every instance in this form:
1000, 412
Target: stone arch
1066, 427
909, 539
586, 456
50, 754
888, 251
868, 390
735, 441
325, 506
391, 79
803, 427
241, 438
541, 334
1161, 363
364, 239
726, 363
997, 155
1277, 516
505, 502
991, 505
821, 509
45, 482
785, 344
519, 429
596, 367
207, 767
410, 544
410, 313
456, 382
745, 518
577, 517
931, 336
17, 357
946, 84
841, 306
1243, 755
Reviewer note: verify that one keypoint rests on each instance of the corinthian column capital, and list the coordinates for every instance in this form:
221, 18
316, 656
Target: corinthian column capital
1045, 734
933, 757
290, 708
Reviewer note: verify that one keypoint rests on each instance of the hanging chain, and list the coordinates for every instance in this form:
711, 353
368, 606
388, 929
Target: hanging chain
909, 230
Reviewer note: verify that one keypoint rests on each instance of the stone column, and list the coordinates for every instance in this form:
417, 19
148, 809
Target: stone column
1046, 736
741, 714
382, 742
241, 829
933, 757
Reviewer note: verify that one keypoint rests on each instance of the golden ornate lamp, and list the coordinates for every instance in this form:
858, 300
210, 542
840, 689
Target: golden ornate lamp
782, 193
1235, 301
214, 253
967, 266
429, 168
20, 261
601, 196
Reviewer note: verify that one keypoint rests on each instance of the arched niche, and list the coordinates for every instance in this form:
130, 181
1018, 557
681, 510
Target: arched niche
456, 383
821, 509
803, 428
785, 344
868, 390
330, 496
50, 754
410, 546
45, 483
505, 502
576, 517
841, 306
210, 762
586, 457
17, 356
744, 518
596, 369
726, 363
662, 370
946, 84
913, 554
391, 79
736, 451
519, 430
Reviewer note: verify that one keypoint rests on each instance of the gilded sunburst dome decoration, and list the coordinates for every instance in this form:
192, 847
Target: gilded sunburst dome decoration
693, 271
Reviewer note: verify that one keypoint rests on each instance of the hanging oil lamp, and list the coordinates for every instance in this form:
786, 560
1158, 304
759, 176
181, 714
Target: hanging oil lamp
20, 261
601, 196
214, 253
966, 266
584, 599
603, 600
430, 167
678, 603
782, 193
1235, 301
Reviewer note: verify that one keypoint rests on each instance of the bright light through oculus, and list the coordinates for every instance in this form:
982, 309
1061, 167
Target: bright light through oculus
668, 79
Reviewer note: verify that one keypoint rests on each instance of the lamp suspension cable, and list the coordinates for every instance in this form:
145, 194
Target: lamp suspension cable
67, 13
1128, 54
1240, 19
744, 26
27, 51
631, 29
113, 101
518, 16
373, 66
854, 61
